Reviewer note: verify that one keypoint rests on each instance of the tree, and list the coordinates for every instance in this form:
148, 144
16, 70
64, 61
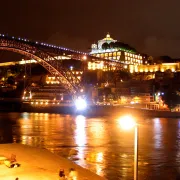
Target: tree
112, 45
123, 75
118, 45
105, 46
124, 46
150, 60
168, 74
11, 80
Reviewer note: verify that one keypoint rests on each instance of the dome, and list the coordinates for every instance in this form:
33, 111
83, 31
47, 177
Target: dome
108, 38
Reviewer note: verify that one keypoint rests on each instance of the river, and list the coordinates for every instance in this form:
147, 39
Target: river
101, 145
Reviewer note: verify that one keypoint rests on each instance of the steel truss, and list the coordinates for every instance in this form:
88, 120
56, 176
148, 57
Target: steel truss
63, 75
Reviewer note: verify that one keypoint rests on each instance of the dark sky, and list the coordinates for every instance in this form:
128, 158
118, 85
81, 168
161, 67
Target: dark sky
151, 26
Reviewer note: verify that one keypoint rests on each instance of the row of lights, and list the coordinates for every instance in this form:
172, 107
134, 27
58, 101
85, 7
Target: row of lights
132, 59
106, 50
52, 82
115, 54
133, 55
44, 44
43, 103
149, 70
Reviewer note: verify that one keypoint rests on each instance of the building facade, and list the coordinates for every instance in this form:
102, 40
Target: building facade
111, 49
154, 68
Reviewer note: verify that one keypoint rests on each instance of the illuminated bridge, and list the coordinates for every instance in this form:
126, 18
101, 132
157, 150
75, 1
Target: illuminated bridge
46, 55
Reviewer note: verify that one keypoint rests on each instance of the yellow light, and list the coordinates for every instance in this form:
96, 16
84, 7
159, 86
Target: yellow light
127, 122
84, 57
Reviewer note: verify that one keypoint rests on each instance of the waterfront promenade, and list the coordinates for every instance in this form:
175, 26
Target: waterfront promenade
36, 163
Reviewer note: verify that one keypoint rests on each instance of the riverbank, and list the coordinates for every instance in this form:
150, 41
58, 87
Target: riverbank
36, 163
95, 110
104, 111
137, 112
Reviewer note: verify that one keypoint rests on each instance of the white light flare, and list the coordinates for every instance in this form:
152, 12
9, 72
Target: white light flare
80, 104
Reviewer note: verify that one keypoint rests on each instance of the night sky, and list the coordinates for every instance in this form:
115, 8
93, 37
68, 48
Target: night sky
150, 26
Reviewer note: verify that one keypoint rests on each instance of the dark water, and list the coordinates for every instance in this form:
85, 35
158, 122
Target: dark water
102, 146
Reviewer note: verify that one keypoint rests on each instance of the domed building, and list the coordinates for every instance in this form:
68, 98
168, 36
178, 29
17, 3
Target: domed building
108, 48
98, 46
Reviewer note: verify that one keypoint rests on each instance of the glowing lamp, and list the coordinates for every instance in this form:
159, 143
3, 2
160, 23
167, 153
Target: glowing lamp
84, 57
127, 122
80, 103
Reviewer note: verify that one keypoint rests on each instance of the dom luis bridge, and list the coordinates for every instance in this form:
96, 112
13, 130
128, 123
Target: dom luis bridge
46, 55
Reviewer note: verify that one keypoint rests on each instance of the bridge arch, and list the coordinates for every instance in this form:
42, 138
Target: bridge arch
64, 76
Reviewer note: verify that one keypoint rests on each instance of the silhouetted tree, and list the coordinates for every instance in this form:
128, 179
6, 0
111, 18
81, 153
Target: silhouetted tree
168, 74
11, 80
105, 46
112, 45
118, 45
123, 75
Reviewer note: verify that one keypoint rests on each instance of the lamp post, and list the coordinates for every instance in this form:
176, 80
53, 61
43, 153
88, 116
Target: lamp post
136, 152
127, 123
84, 68
24, 81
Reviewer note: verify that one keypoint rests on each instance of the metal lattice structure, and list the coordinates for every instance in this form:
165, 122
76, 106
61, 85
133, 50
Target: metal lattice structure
44, 58
46, 55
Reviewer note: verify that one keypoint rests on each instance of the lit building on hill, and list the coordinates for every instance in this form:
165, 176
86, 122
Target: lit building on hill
108, 48
154, 68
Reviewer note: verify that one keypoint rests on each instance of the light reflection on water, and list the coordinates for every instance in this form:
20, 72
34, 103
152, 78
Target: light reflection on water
157, 133
101, 145
80, 135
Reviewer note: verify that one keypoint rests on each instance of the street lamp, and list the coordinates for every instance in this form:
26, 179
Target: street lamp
84, 58
127, 123
24, 80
